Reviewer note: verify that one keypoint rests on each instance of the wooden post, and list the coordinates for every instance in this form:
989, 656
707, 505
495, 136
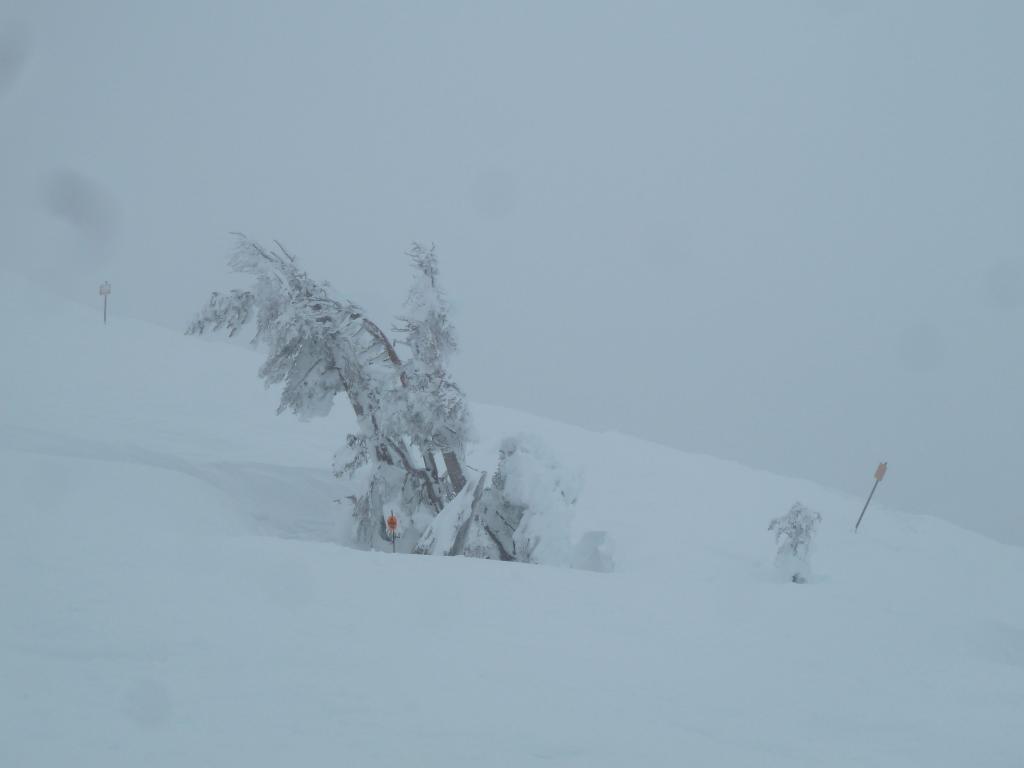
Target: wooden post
879, 474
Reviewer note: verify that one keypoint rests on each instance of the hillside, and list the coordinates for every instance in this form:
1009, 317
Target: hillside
175, 592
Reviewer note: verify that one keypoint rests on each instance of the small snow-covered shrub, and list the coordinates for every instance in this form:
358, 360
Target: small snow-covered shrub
794, 534
534, 486
593, 552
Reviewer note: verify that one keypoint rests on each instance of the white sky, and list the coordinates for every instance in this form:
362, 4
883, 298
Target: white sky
786, 233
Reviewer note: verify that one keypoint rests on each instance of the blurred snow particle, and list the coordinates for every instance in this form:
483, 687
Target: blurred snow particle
147, 704
80, 202
922, 347
495, 194
14, 46
1004, 286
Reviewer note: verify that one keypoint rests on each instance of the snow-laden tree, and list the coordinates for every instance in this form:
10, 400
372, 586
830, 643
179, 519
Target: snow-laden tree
794, 535
435, 413
408, 412
319, 347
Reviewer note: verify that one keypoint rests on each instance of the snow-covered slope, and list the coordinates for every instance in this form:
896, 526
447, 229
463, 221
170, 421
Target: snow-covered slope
173, 593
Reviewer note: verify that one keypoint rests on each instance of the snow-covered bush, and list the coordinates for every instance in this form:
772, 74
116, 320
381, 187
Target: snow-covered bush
525, 514
593, 552
533, 488
794, 535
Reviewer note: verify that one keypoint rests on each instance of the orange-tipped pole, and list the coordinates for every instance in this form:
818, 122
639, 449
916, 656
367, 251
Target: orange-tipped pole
879, 474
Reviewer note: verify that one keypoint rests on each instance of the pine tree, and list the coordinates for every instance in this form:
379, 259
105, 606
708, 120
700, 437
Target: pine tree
436, 415
318, 347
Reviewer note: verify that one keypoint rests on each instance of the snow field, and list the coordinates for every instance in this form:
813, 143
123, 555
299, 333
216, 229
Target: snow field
174, 593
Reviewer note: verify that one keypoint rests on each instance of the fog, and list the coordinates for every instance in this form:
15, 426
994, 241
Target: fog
788, 234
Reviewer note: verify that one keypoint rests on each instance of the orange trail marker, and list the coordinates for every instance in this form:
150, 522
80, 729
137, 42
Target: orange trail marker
392, 523
879, 475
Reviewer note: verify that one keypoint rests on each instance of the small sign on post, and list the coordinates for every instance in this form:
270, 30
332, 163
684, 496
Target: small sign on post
392, 524
104, 292
879, 476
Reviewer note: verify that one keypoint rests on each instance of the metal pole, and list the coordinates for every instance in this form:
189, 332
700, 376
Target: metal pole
877, 481
104, 292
